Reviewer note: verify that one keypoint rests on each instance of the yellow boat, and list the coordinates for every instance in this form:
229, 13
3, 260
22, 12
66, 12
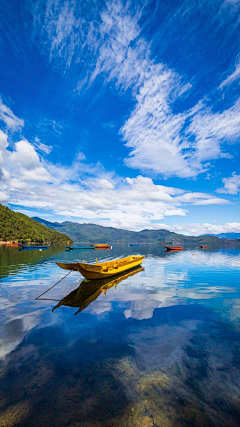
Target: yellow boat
90, 290
103, 269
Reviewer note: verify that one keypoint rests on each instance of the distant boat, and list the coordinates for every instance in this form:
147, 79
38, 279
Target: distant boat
173, 248
134, 244
34, 246
104, 269
101, 246
70, 248
203, 246
98, 248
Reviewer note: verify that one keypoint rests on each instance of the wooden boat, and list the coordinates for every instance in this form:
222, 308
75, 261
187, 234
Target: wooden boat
203, 246
34, 246
107, 249
173, 248
70, 248
103, 269
12, 244
101, 246
90, 290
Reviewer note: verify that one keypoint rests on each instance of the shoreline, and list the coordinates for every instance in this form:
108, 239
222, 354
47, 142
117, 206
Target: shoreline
10, 242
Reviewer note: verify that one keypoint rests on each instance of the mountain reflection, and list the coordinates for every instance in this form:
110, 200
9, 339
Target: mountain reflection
89, 290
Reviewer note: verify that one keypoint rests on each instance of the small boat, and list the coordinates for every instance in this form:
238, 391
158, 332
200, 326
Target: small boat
134, 244
12, 244
107, 249
89, 290
34, 246
70, 248
101, 246
203, 246
103, 269
173, 248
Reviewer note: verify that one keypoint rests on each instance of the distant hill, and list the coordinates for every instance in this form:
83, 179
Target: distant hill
16, 226
228, 235
93, 233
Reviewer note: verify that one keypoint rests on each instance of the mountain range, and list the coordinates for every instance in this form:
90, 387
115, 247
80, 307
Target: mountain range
227, 235
94, 233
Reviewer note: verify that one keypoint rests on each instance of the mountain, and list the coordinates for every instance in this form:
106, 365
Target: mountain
228, 235
16, 226
93, 233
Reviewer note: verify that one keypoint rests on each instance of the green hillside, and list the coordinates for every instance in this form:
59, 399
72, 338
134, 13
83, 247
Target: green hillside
16, 226
93, 233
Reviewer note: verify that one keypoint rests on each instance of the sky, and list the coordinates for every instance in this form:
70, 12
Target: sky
123, 114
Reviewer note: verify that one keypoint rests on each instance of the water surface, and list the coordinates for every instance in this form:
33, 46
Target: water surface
159, 347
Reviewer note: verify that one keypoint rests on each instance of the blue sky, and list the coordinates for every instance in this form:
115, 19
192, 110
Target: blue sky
124, 114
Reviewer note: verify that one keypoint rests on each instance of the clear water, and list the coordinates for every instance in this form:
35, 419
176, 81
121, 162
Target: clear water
161, 348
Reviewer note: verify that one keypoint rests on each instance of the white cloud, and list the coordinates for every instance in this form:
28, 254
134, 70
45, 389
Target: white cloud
3, 196
211, 201
21, 164
161, 140
212, 129
205, 228
3, 145
49, 125
80, 156
11, 121
36, 203
231, 184
235, 75
25, 164
200, 199
42, 147
104, 183
37, 174
25, 155
86, 191
17, 184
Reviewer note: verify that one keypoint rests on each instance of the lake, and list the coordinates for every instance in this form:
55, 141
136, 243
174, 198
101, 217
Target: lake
157, 347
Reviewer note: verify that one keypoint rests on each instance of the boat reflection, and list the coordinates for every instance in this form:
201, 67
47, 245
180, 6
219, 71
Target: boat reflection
89, 290
33, 249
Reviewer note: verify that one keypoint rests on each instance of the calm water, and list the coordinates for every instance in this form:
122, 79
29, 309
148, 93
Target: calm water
160, 347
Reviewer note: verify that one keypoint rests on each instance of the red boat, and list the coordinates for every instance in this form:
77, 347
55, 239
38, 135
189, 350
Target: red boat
173, 248
203, 247
101, 246
12, 244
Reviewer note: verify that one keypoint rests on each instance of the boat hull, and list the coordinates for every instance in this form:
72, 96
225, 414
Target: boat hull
169, 248
103, 270
99, 246
72, 248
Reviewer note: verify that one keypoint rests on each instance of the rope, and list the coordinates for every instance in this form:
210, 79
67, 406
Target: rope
52, 286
